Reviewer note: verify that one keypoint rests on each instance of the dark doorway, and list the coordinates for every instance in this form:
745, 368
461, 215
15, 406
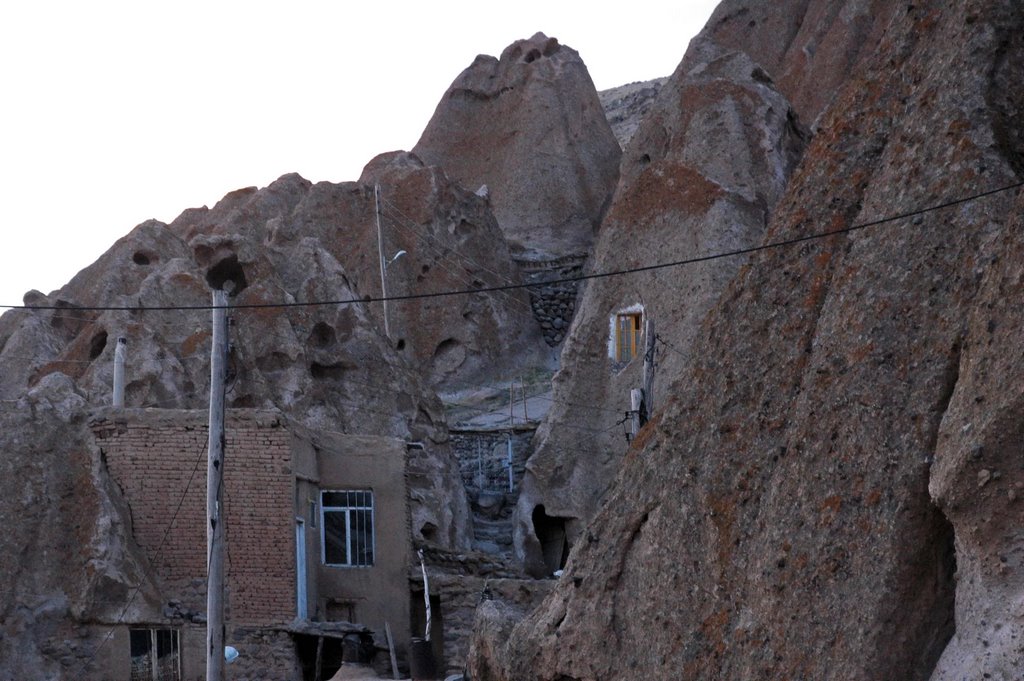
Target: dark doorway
554, 542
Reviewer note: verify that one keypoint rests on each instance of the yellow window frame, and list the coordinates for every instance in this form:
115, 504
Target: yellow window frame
627, 335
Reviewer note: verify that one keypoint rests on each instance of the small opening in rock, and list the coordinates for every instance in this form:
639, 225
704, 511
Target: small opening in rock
645, 159
554, 542
322, 335
532, 56
96, 345
429, 531
228, 269
140, 258
400, 345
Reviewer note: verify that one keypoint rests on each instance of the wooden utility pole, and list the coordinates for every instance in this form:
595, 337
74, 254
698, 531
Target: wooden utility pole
636, 399
648, 408
215, 530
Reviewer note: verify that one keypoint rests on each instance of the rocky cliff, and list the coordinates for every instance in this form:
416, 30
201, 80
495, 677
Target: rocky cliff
329, 367
702, 174
627, 105
829, 487
529, 126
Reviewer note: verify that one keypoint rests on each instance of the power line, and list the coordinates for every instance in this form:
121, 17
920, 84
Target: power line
540, 284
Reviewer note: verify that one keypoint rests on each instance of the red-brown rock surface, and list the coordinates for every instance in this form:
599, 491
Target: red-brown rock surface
830, 489
530, 126
701, 175
808, 47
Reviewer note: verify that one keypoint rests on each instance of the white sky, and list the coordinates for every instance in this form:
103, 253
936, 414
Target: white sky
115, 112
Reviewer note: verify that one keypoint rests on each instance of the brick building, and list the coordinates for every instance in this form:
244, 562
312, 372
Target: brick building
317, 534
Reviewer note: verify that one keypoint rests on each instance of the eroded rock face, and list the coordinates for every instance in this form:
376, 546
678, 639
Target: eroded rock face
328, 367
808, 47
830, 491
530, 126
625, 106
708, 164
66, 554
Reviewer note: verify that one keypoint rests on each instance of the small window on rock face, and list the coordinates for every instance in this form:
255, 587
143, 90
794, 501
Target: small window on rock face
627, 336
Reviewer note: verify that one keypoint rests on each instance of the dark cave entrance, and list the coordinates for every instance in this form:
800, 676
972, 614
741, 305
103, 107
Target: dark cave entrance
554, 542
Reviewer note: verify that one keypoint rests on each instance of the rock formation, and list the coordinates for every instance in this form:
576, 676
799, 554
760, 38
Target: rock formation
695, 180
830, 487
809, 47
529, 126
627, 105
60, 510
327, 367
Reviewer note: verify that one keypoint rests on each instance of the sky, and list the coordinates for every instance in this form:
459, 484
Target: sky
112, 113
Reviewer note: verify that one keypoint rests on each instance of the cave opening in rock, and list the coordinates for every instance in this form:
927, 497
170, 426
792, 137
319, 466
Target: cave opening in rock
554, 541
97, 344
227, 270
141, 258
323, 335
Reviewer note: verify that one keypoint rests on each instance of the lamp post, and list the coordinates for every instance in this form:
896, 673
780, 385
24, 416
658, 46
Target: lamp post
383, 263
383, 287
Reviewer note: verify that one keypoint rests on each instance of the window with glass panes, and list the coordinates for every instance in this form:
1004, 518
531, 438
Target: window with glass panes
627, 336
347, 527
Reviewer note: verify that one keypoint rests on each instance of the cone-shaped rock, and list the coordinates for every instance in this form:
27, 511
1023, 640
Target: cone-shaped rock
529, 126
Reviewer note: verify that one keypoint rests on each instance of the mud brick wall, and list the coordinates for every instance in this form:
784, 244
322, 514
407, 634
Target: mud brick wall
158, 459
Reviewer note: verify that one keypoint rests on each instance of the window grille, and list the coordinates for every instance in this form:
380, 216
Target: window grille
154, 654
347, 527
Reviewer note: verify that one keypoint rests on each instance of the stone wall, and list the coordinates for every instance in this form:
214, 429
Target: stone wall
553, 304
158, 459
461, 594
483, 458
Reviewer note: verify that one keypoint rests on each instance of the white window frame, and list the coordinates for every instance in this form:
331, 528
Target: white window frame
325, 509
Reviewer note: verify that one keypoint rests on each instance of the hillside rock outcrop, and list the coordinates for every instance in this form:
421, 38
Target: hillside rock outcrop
830, 487
60, 511
808, 47
708, 164
627, 105
328, 367
529, 126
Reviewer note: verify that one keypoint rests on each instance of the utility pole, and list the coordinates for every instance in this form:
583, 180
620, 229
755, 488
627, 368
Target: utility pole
215, 516
120, 350
380, 252
636, 400
648, 408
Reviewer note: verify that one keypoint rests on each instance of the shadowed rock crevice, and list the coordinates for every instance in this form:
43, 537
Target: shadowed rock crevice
1006, 98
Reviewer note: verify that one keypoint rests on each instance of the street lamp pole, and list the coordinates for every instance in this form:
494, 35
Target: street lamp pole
383, 266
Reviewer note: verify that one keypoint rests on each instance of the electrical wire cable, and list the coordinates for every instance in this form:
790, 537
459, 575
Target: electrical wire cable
562, 280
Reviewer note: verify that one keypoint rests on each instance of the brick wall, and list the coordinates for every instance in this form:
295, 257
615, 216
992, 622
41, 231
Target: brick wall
153, 454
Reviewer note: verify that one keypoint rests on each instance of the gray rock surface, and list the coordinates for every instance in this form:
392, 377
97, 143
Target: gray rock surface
530, 126
625, 106
829, 490
66, 555
695, 180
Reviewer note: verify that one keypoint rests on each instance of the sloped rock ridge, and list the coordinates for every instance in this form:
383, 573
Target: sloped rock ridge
695, 180
830, 486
